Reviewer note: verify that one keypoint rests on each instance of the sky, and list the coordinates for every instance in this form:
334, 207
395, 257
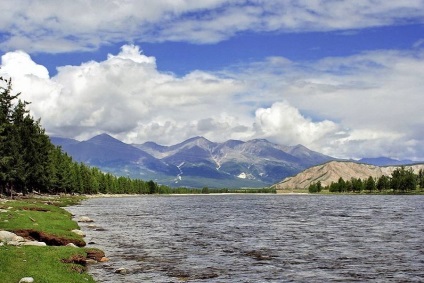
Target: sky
344, 78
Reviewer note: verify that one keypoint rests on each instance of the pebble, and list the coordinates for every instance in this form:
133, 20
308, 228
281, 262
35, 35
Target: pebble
121, 270
104, 259
85, 219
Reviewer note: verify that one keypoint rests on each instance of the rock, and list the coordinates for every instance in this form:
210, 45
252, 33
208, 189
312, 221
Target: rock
121, 270
14, 243
104, 259
18, 239
6, 236
26, 280
95, 254
85, 219
72, 245
100, 229
34, 243
78, 232
3, 210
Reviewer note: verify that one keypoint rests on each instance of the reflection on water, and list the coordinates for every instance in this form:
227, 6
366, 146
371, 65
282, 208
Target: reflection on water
257, 238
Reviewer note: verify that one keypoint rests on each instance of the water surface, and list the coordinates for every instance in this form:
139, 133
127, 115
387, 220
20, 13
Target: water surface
257, 238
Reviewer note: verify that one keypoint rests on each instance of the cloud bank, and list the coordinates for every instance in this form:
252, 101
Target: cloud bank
368, 104
64, 26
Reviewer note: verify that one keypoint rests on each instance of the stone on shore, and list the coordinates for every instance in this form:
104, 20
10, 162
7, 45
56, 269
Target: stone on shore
85, 219
26, 280
78, 232
18, 239
12, 239
121, 270
34, 243
6, 236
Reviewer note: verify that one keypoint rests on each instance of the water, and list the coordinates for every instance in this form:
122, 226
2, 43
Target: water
257, 238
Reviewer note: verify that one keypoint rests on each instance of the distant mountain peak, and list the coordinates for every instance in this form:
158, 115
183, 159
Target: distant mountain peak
104, 138
195, 141
259, 141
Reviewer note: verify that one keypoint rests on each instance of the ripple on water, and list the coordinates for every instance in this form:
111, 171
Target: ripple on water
258, 238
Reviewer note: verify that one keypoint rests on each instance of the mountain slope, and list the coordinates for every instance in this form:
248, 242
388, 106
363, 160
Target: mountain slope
257, 160
332, 171
197, 161
109, 153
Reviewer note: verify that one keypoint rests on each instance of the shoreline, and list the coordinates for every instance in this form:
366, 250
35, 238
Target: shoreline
186, 194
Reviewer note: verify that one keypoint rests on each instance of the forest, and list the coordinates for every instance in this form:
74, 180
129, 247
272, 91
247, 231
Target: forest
30, 163
401, 181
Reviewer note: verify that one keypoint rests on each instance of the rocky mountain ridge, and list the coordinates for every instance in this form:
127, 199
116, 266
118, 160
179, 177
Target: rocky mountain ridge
196, 162
331, 172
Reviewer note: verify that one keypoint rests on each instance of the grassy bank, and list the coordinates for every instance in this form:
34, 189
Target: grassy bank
42, 219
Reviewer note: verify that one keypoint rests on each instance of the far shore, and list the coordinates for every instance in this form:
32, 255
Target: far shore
200, 194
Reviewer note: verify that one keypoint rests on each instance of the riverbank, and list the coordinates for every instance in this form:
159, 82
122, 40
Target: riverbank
39, 241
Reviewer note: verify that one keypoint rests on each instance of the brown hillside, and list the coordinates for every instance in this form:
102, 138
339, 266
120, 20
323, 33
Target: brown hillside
332, 171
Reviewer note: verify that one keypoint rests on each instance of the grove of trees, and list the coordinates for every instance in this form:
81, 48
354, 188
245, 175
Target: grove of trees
401, 181
30, 162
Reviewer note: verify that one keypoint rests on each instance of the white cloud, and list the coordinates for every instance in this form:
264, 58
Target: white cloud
368, 104
60, 26
127, 96
374, 97
284, 124
20, 63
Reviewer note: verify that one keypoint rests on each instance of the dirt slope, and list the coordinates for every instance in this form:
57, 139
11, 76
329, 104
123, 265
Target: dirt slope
332, 171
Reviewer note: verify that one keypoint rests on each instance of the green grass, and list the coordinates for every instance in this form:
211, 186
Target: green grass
44, 264
35, 214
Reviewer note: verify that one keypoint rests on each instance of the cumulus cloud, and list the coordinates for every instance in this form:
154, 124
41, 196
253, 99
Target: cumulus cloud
373, 97
367, 104
57, 26
20, 63
285, 124
126, 96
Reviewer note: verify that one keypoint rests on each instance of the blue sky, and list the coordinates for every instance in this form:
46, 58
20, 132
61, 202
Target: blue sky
183, 57
341, 77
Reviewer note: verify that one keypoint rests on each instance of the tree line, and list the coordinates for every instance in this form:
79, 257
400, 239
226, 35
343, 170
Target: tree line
401, 181
29, 162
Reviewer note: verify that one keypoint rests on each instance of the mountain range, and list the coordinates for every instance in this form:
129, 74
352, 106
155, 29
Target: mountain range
196, 162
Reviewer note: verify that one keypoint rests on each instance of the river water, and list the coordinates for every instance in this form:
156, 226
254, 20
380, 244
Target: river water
257, 238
